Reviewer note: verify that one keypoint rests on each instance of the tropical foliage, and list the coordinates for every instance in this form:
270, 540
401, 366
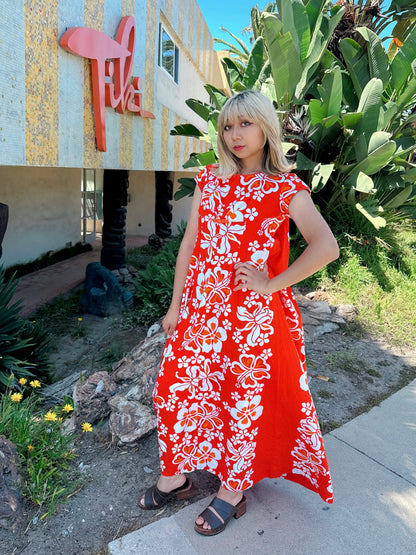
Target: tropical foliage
153, 285
23, 344
346, 103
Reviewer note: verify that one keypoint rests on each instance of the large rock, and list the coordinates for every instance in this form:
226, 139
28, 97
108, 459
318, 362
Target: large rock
130, 421
125, 396
139, 368
318, 316
91, 397
10, 501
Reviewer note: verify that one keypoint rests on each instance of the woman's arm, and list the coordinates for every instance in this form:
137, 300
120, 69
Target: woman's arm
182, 265
322, 248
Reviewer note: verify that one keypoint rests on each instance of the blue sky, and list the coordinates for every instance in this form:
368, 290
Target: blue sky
234, 15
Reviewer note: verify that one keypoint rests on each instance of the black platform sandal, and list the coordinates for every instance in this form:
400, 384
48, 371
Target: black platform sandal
225, 510
155, 499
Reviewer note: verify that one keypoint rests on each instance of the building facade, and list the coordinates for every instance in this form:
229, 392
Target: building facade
127, 66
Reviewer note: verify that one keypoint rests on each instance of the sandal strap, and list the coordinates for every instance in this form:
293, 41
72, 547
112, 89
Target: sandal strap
154, 497
211, 518
225, 511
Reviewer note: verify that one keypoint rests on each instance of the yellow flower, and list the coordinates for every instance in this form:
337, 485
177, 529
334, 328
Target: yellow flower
17, 397
35, 383
23, 381
86, 427
79, 319
30, 447
67, 408
51, 416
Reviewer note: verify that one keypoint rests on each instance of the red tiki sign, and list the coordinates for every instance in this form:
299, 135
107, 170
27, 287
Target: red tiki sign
109, 59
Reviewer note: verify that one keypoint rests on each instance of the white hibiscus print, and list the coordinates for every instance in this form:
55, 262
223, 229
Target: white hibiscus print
258, 321
246, 411
197, 377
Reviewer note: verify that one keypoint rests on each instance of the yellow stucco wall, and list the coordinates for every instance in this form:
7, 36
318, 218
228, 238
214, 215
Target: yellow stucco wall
54, 88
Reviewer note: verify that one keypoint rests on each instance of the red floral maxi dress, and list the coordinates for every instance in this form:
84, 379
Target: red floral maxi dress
232, 395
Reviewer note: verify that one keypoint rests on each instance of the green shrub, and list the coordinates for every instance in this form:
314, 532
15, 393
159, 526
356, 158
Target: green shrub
153, 285
23, 344
44, 450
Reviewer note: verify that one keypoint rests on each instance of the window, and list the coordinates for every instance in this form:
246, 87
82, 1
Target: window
168, 55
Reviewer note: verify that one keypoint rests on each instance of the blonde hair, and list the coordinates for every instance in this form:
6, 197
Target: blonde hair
256, 107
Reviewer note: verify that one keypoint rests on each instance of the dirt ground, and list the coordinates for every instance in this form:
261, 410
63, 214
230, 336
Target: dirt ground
348, 374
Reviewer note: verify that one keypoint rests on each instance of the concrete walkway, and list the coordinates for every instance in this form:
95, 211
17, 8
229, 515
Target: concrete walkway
373, 465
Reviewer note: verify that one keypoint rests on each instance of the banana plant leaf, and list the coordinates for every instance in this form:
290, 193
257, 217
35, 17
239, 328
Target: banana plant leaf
231, 70
321, 36
372, 212
201, 108
304, 163
200, 160
314, 10
398, 199
320, 176
377, 56
357, 64
186, 130
375, 161
401, 65
407, 97
296, 22
254, 64
186, 188
213, 136
217, 96
361, 183
350, 120
284, 58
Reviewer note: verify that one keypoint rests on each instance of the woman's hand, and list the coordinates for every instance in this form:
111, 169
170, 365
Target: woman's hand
248, 276
170, 321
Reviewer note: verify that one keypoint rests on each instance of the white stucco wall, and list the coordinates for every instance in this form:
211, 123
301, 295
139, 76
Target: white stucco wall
141, 208
174, 95
44, 211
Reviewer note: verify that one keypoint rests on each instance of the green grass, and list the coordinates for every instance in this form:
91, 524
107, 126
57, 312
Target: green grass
63, 315
376, 272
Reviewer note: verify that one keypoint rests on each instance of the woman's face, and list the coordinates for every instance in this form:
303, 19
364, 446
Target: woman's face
245, 140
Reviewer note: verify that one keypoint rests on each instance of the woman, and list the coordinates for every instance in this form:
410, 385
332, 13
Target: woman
232, 395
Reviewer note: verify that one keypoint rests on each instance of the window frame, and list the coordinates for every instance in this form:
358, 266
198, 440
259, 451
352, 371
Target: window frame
175, 76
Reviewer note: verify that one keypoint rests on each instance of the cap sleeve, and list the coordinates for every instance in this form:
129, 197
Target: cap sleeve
202, 177
292, 185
